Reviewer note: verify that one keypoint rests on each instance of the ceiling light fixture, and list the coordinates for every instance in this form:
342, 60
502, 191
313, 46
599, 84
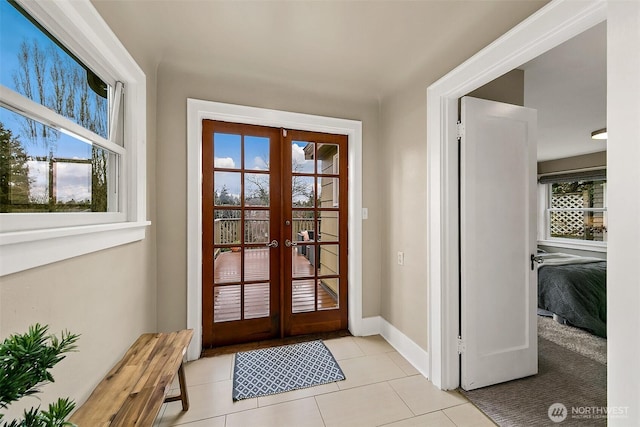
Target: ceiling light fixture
599, 134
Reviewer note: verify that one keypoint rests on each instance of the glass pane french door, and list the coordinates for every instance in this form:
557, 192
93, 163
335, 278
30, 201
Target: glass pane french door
241, 253
274, 243
315, 252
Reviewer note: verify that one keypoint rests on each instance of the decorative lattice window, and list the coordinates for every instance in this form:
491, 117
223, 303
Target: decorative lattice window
576, 208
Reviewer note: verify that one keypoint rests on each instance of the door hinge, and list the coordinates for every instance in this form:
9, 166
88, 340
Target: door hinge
461, 346
459, 130
284, 133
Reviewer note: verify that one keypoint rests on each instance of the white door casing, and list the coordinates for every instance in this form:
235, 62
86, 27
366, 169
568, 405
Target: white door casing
498, 212
197, 110
553, 24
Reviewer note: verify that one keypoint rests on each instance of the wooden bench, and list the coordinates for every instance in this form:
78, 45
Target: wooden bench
133, 391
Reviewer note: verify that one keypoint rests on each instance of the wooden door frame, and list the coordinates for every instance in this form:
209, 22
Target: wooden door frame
552, 25
198, 110
263, 327
316, 320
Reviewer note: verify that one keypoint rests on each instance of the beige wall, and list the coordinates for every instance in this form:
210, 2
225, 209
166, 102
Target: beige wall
508, 88
404, 292
175, 85
108, 297
572, 163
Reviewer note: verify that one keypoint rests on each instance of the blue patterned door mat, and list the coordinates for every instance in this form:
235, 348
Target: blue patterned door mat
285, 368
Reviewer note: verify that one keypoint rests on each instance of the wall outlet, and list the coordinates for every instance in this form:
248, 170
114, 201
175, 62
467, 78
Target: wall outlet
400, 258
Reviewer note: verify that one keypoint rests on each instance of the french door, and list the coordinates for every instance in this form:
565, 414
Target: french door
274, 232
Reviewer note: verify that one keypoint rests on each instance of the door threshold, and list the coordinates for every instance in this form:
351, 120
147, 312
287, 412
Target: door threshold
217, 351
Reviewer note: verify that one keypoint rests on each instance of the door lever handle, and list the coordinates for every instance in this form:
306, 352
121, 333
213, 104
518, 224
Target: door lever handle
535, 259
272, 244
288, 243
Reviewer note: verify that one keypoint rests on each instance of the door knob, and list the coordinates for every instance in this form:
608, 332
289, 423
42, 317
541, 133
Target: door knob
535, 259
272, 244
288, 243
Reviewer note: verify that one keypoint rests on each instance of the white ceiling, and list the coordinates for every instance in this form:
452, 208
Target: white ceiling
568, 87
367, 50
362, 49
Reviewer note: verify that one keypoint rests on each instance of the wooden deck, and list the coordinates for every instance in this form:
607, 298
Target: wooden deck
227, 298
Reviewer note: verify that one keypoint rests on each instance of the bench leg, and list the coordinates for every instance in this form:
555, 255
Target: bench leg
183, 388
183, 396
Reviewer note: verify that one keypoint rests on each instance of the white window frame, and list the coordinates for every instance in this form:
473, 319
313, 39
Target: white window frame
59, 236
544, 221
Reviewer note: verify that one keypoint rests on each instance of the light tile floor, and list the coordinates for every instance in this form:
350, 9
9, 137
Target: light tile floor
381, 389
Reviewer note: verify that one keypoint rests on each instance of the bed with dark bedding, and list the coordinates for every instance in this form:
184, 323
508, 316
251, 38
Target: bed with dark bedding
575, 288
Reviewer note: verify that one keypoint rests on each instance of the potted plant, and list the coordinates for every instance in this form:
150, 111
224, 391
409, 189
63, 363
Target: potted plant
25, 364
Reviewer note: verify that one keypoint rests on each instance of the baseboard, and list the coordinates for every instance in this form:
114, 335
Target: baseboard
411, 351
370, 326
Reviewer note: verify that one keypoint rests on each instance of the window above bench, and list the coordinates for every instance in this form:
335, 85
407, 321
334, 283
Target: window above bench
72, 135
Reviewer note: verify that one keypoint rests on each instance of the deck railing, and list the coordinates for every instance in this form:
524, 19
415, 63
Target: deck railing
228, 230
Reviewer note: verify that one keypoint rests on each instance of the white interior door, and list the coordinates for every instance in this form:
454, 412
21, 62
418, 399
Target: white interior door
497, 237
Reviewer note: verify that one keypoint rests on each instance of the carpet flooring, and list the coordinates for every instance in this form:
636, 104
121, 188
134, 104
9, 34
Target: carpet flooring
575, 339
564, 376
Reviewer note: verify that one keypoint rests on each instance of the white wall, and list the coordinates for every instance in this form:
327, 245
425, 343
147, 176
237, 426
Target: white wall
623, 272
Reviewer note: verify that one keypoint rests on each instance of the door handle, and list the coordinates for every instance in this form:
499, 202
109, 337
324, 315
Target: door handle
272, 244
288, 243
535, 259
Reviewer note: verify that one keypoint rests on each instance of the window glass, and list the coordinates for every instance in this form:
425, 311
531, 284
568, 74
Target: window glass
227, 188
40, 68
256, 153
578, 194
226, 151
55, 172
256, 189
578, 210
302, 155
302, 191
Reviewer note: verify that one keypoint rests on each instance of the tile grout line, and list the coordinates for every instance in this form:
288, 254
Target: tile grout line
400, 367
402, 400
298, 398
319, 411
338, 389
381, 381
449, 418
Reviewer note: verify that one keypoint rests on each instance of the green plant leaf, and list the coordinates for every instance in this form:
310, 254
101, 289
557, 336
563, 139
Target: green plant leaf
25, 364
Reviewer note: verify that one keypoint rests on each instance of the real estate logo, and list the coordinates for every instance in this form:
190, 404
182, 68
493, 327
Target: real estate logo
557, 412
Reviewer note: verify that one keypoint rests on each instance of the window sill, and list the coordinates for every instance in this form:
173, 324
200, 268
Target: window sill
581, 246
22, 250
